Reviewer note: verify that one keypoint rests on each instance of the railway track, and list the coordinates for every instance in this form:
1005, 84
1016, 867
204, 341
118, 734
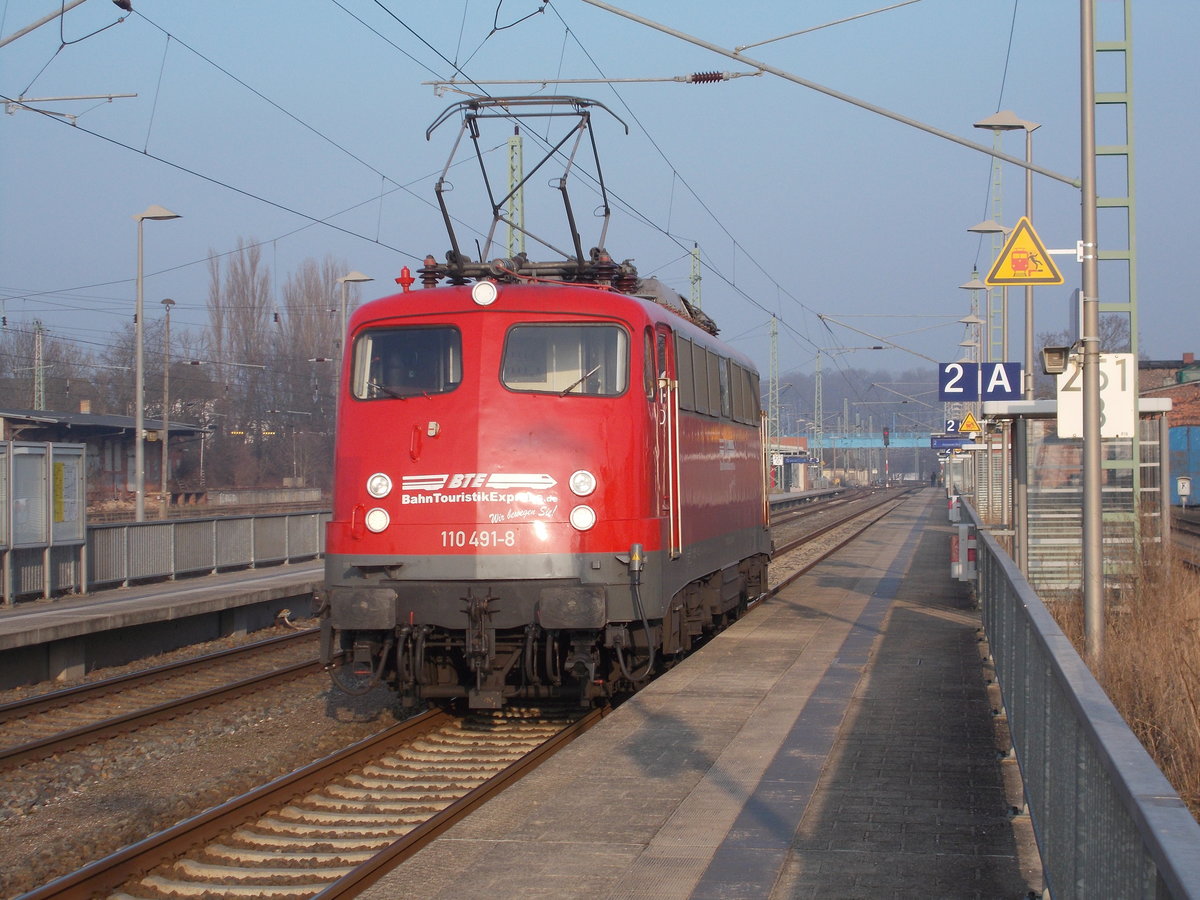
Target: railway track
331, 828
818, 507
346, 819
797, 554
39, 726
1185, 538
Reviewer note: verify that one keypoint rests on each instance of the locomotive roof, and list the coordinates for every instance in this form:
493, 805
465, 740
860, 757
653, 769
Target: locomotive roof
655, 290
599, 270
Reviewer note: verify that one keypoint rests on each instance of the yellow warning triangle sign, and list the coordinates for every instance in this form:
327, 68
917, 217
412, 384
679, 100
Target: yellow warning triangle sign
1023, 260
969, 423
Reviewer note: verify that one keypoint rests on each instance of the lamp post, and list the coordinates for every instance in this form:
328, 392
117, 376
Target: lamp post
156, 213
1007, 120
1017, 484
166, 429
975, 345
1093, 510
991, 226
356, 277
973, 322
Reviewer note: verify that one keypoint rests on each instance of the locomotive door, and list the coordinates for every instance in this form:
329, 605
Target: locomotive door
666, 467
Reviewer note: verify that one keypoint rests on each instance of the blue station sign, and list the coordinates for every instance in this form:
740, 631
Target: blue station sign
963, 381
948, 442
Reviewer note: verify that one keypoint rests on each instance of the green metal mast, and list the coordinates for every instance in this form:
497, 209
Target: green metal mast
696, 275
516, 199
1121, 239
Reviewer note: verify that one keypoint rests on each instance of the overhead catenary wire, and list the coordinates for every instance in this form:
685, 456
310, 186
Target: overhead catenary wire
729, 280
313, 219
626, 207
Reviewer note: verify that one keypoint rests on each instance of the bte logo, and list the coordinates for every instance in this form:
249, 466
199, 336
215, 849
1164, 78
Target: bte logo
499, 481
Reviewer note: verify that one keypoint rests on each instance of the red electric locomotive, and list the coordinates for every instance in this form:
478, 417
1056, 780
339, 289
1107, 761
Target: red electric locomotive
549, 481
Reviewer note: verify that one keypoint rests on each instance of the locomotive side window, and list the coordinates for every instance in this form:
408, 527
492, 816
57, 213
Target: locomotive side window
567, 359
649, 378
726, 398
406, 362
700, 378
714, 383
743, 401
683, 371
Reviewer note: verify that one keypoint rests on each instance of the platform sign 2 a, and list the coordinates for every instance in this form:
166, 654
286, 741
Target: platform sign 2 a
963, 381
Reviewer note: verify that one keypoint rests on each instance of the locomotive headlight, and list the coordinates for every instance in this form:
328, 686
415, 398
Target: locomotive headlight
484, 293
376, 520
379, 485
582, 518
582, 483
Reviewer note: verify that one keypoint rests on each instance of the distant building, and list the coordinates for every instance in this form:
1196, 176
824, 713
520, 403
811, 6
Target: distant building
111, 451
1178, 379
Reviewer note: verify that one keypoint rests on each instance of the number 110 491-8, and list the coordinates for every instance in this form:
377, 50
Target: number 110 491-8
482, 539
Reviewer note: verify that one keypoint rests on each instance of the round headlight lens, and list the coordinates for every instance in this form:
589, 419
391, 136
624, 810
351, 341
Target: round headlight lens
583, 518
484, 293
377, 520
582, 483
379, 485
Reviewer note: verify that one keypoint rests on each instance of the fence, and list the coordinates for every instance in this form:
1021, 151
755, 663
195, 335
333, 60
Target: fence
122, 553
1107, 821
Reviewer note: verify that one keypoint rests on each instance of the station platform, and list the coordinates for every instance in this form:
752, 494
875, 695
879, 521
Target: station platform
69, 636
837, 742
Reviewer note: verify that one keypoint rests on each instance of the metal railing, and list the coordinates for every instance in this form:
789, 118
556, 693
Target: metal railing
125, 552
1108, 823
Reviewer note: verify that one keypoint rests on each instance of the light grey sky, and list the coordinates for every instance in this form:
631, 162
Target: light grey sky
259, 120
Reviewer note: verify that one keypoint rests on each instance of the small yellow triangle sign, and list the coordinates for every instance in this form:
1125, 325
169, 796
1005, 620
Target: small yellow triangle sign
969, 423
1023, 260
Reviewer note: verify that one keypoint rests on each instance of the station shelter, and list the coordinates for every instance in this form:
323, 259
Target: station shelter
1026, 482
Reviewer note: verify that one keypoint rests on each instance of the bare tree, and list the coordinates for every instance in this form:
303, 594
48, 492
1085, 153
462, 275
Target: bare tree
304, 362
274, 424
238, 341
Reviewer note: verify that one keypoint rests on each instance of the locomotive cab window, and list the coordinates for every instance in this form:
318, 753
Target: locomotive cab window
406, 362
566, 359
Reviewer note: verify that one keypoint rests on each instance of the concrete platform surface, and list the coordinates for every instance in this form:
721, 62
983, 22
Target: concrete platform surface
42, 621
68, 637
838, 742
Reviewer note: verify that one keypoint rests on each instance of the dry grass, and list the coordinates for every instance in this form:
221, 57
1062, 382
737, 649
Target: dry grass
1151, 666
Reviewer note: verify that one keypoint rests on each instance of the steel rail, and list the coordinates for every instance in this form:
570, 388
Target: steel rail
134, 861
114, 725
109, 873
890, 502
792, 513
372, 870
39, 703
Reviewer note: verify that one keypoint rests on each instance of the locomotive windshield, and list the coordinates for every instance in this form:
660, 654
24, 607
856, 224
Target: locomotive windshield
567, 359
406, 362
